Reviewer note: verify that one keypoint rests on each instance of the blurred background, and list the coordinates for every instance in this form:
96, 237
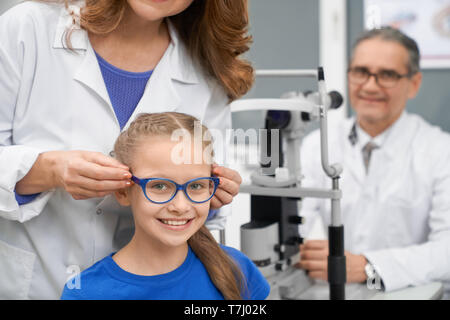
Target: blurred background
305, 34
298, 34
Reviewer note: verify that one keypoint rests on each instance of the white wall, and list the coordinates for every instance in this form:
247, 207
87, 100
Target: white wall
333, 47
6, 4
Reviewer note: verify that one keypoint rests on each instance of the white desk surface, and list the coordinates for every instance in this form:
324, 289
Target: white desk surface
355, 291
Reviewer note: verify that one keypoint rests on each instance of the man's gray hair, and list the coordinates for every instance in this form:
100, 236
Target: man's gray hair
391, 34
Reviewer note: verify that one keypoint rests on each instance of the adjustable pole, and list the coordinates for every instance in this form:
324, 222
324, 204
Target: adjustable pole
337, 273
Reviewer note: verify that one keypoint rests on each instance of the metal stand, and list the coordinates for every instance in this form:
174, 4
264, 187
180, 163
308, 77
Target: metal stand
337, 273
271, 238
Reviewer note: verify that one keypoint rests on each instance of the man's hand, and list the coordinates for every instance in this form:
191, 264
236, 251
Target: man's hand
314, 259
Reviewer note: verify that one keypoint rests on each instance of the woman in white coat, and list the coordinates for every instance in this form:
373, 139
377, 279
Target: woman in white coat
64, 66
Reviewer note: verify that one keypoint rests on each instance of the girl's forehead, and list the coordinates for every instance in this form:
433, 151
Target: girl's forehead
169, 159
182, 151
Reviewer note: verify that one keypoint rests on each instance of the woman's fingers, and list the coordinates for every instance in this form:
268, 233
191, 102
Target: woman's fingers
85, 183
104, 161
227, 173
215, 203
230, 181
87, 174
98, 172
229, 186
223, 197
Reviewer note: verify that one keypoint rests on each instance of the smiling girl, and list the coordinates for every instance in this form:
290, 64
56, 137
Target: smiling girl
172, 255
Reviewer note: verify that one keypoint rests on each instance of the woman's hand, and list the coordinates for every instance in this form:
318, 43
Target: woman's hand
83, 174
230, 181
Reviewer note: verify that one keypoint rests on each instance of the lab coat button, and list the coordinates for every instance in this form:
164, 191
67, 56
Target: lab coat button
99, 211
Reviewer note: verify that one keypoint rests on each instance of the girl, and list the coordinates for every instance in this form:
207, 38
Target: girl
73, 75
172, 255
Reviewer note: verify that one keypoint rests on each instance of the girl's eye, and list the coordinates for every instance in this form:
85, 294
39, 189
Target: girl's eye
159, 186
196, 186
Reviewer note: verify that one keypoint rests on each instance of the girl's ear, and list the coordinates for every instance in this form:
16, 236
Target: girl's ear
122, 196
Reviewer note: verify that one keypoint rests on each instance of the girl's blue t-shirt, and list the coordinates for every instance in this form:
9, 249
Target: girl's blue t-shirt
105, 280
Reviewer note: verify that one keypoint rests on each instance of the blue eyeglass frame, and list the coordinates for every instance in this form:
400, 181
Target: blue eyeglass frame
143, 184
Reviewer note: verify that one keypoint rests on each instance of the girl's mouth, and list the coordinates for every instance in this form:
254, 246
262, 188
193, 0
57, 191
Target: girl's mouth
176, 224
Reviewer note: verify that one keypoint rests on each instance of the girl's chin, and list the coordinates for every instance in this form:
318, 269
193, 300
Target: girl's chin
177, 235
168, 234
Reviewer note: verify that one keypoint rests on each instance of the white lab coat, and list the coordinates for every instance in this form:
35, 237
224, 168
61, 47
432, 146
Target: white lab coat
55, 99
398, 215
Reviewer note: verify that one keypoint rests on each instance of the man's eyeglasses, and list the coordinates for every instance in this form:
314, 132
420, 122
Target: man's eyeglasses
161, 190
384, 78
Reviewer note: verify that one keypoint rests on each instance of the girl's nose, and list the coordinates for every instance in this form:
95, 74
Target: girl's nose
180, 203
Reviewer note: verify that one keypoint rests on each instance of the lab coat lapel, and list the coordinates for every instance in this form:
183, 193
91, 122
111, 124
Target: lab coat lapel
353, 162
88, 72
392, 158
399, 139
90, 75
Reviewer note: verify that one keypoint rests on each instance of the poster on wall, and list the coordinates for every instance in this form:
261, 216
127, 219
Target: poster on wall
426, 21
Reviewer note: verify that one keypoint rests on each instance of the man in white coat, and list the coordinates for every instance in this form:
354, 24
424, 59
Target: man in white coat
396, 178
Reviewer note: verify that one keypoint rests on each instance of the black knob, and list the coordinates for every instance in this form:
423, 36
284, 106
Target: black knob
295, 240
296, 219
280, 266
279, 248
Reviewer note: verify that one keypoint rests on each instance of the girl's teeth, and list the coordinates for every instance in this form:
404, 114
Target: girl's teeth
175, 223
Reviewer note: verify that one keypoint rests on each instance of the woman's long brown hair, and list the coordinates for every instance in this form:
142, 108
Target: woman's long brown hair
223, 270
214, 32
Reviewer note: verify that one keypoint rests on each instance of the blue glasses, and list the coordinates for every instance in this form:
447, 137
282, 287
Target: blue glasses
162, 190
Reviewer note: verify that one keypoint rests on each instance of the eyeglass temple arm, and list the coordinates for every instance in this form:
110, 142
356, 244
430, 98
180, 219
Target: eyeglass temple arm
135, 180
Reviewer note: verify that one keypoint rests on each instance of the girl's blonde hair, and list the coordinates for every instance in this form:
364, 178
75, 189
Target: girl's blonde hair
214, 32
224, 272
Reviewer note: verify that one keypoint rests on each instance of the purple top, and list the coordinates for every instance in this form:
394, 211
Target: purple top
125, 88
